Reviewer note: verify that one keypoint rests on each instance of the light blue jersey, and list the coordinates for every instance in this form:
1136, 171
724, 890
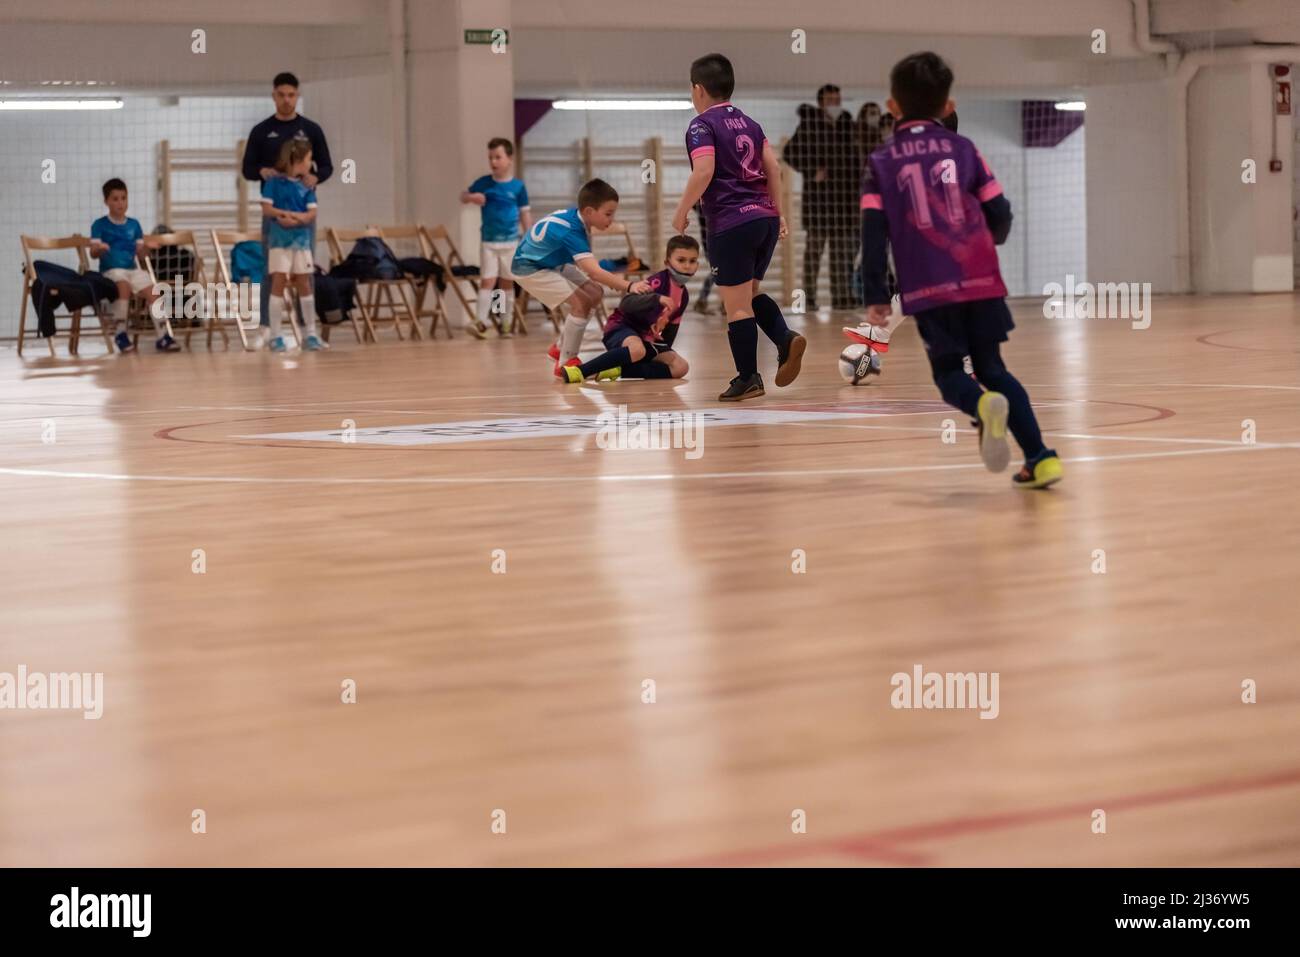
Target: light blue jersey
280, 192
559, 239
501, 211
121, 239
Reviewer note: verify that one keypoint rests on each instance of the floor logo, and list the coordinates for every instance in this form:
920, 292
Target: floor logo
531, 427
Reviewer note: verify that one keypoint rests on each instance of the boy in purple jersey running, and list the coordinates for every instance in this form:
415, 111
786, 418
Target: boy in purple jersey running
734, 170
929, 194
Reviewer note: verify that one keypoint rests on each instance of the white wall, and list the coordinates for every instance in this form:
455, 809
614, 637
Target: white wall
1131, 200
460, 97
1242, 238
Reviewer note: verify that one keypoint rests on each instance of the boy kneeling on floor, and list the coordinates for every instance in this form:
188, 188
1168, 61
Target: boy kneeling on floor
640, 332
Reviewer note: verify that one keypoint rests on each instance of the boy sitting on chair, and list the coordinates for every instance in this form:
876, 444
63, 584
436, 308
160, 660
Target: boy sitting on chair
116, 240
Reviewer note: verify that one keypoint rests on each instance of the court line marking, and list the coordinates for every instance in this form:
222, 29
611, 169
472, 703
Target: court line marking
1062, 435
568, 479
871, 844
310, 405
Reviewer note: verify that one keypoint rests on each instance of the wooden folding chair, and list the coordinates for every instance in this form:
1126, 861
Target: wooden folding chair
448, 257
218, 318
418, 289
81, 244
379, 300
182, 239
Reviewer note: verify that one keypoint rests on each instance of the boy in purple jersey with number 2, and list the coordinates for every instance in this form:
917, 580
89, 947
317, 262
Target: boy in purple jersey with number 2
736, 174
929, 194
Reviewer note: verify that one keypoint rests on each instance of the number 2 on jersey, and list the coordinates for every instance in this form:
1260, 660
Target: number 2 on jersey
749, 168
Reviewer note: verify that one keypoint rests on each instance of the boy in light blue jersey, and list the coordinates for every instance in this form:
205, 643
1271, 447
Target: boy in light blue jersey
116, 240
289, 209
505, 211
554, 264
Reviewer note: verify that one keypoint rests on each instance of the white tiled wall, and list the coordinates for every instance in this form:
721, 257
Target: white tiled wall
90, 147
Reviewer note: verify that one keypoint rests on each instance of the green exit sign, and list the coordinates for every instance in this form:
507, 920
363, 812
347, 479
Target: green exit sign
487, 36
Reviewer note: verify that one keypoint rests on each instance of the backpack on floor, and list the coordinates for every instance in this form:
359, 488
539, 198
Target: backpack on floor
335, 296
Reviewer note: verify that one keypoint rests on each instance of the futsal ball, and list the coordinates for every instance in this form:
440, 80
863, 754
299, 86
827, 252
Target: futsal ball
855, 363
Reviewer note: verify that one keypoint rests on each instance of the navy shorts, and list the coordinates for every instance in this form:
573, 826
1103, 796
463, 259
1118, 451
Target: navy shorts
961, 328
614, 340
742, 253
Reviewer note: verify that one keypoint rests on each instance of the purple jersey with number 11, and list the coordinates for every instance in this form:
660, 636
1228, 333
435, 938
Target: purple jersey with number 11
930, 183
738, 191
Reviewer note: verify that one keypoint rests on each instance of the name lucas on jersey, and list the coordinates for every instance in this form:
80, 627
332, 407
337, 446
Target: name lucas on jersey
899, 150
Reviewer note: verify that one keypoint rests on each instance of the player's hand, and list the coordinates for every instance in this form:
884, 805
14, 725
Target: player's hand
286, 220
680, 222
820, 175
309, 180
783, 231
266, 172
478, 199
639, 287
878, 315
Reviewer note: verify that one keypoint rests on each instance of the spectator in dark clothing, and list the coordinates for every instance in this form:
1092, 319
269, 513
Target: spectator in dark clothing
263, 149
824, 151
870, 132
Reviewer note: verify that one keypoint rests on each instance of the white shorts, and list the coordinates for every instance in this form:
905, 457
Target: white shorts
137, 279
494, 260
286, 260
551, 287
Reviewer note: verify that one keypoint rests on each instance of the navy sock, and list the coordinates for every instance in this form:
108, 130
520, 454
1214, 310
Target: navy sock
647, 369
993, 375
769, 318
957, 388
742, 335
960, 391
1021, 421
606, 360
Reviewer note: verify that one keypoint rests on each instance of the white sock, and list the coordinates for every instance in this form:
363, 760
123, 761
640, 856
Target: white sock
896, 317
508, 305
159, 321
484, 304
119, 315
308, 313
571, 337
277, 315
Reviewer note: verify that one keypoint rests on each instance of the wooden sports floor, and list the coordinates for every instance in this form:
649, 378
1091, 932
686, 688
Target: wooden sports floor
513, 681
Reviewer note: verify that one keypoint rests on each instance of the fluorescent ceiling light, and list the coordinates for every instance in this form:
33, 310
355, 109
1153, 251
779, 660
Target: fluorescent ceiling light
621, 104
1074, 106
60, 104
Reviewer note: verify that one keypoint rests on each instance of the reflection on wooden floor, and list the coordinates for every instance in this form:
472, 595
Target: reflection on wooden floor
506, 597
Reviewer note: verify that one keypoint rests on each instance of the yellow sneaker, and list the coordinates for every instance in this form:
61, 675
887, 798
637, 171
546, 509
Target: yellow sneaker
1046, 471
609, 375
993, 410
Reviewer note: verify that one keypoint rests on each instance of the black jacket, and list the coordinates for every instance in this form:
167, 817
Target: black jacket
266, 139
819, 144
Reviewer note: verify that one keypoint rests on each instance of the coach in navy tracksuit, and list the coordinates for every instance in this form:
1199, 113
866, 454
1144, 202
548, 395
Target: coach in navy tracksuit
263, 148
